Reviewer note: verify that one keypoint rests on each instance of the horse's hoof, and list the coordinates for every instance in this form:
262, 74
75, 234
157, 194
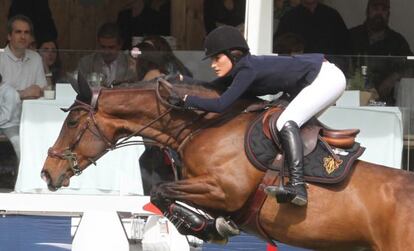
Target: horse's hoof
226, 228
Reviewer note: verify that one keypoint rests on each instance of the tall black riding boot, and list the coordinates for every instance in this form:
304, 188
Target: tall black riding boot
295, 190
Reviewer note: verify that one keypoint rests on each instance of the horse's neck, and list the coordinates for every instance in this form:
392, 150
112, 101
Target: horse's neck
132, 110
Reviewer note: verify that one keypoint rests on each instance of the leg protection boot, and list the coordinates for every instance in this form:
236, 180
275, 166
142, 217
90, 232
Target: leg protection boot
189, 222
295, 190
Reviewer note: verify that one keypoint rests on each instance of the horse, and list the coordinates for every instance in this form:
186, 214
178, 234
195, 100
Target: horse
371, 209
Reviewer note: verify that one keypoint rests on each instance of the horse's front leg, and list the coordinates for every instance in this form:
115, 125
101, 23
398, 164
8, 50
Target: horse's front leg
186, 220
204, 191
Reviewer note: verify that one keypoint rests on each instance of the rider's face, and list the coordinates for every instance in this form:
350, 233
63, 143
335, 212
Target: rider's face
221, 64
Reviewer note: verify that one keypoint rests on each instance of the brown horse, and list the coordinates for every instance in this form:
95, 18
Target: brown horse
373, 208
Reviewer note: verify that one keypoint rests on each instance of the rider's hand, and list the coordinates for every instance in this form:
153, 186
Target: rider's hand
176, 100
173, 77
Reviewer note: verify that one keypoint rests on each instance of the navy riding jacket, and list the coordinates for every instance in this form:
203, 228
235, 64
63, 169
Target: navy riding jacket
262, 75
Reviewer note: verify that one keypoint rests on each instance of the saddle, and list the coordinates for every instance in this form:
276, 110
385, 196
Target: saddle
328, 158
310, 132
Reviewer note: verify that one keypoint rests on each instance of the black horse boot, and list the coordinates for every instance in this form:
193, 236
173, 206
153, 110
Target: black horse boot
189, 222
295, 189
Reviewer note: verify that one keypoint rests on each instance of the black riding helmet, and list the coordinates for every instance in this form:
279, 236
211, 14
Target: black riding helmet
224, 39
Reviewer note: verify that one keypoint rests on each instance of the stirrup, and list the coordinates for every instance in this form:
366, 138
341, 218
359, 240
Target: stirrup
281, 194
285, 195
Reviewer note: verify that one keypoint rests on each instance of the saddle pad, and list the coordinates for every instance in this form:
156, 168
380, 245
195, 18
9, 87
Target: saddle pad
319, 165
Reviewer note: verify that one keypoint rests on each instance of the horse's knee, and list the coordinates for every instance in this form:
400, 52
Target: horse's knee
157, 198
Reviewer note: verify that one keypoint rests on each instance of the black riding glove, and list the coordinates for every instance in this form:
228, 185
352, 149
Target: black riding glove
173, 78
176, 100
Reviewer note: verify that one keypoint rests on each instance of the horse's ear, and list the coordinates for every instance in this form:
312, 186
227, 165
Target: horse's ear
85, 92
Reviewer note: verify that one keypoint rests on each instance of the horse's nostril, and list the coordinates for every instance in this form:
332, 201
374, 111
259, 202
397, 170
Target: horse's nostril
45, 176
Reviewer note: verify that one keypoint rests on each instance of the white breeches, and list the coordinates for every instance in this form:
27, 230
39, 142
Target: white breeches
327, 87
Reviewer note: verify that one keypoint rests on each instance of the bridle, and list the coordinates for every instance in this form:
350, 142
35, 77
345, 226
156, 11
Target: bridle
91, 124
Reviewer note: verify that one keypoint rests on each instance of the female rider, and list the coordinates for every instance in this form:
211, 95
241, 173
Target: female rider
312, 82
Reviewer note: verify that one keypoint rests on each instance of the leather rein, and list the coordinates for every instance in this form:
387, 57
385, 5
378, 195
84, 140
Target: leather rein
92, 125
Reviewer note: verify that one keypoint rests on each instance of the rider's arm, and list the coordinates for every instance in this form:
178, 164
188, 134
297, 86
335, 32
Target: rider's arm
241, 82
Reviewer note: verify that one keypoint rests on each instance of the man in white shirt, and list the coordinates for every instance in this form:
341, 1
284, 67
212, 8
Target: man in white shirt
21, 69
109, 63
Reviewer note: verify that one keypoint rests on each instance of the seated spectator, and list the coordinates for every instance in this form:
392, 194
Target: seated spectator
224, 12
172, 64
375, 37
20, 67
280, 7
22, 70
320, 26
10, 109
52, 65
142, 19
289, 44
39, 12
162, 19
109, 64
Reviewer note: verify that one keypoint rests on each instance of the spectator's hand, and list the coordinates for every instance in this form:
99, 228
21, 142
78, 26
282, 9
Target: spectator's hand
31, 92
176, 100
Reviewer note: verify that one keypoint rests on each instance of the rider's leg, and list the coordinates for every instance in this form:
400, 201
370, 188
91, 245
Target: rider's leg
189, 222
322, 92
292, 144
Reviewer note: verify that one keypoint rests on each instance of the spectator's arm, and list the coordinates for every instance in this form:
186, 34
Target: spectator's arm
31, 92
8, 104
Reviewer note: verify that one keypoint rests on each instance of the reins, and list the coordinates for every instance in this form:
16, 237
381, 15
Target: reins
93, 126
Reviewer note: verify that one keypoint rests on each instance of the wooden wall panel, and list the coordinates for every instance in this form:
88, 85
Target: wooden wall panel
4, 9
187, 23
77, 23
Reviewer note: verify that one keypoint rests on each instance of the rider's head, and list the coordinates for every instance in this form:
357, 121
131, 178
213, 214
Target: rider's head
225, 46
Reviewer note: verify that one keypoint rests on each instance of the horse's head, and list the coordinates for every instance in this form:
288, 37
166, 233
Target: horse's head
94, 126
81, 141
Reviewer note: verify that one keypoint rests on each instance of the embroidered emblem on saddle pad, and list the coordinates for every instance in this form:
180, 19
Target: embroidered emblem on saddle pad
331, 164
319, 164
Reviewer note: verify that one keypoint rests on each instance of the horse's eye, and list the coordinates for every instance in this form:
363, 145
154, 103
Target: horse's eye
72, 123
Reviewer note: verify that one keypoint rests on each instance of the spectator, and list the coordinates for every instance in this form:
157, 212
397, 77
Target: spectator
143, 19
10, 108
280, 7
39, 12
289, 44
109, 64
52, 65
224, 12
320, 26
162, 18
375, 37
22, 68
170, 63
155, 60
